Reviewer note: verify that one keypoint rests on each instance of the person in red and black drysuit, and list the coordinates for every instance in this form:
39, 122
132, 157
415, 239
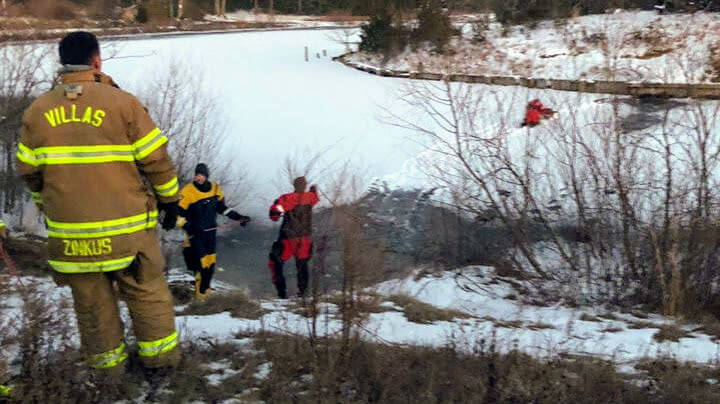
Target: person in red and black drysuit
200, 203
295, 238
535, 112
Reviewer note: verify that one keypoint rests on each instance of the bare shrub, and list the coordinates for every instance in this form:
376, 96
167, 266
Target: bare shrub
626, 213
24, 71
479, 30
41, 330
193, 119
345, 37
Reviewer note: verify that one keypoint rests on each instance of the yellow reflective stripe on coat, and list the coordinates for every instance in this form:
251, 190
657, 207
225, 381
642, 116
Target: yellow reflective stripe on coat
88, 267
149, 143
106, 228
108, 359
158, 347
2, 224
168, 189
97, 154
5, 391
26, 155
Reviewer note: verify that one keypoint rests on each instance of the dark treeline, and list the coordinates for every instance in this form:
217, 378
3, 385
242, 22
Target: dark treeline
507, 11
357, 7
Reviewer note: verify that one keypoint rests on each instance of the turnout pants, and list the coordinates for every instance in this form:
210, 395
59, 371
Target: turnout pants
282, 251
143, 287
200, 258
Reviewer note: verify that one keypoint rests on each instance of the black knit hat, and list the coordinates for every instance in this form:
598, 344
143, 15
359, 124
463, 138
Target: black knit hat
202, 169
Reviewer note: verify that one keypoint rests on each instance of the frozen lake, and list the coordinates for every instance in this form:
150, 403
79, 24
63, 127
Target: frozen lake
277, 105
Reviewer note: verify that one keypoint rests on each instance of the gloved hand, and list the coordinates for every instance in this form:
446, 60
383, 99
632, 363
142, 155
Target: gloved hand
313, 188
244, 220
171, 212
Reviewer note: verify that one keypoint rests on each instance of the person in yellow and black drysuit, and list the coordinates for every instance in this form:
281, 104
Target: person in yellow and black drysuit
92, 156
200, 203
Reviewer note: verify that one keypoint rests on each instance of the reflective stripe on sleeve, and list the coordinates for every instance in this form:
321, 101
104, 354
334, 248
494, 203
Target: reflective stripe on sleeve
168, 189
5, 391
26, 155
149, 143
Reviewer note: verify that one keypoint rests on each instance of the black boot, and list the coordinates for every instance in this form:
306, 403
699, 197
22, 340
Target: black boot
303, 276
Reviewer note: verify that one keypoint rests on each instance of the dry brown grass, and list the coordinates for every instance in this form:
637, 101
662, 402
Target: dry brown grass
423, 313
713, 69
539, 326
589, 317
237, 303
53, 9
358, 308
710, 325
509, 324
377, 373
683, 383
637, 325
331, 371
608, 316
363, 305
670, 333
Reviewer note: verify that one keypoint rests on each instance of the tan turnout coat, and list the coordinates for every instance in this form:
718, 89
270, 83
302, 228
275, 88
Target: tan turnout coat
97, 164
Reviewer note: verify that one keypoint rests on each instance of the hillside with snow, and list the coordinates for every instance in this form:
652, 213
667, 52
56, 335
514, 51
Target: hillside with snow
634, 46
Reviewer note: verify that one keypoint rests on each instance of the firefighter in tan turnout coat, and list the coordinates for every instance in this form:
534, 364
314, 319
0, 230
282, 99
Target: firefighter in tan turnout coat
98, 166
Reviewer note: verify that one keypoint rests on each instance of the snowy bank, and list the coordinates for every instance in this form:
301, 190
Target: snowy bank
630, 46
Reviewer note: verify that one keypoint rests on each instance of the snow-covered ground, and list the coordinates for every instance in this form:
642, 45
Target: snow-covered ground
496, 313
635, 46
493, 313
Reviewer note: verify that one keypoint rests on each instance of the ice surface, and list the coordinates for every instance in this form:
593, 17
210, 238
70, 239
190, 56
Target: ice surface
277, 105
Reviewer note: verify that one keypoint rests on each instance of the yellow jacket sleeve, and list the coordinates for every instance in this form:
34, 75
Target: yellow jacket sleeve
28, 164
